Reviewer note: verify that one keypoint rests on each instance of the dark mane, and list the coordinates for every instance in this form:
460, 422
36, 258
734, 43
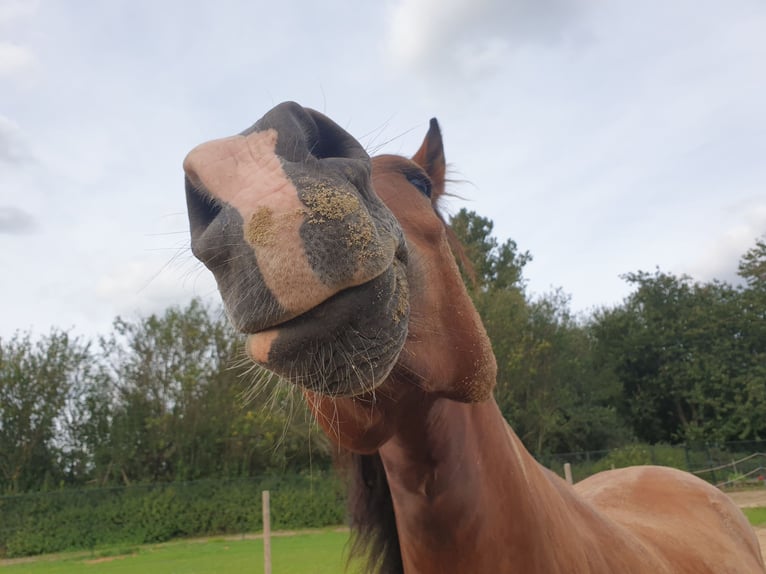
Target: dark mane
371, 513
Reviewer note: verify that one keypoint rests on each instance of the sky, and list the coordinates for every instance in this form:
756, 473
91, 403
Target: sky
602, 137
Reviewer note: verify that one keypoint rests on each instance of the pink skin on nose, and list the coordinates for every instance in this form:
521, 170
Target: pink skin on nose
259, 345
246, 173
243, 171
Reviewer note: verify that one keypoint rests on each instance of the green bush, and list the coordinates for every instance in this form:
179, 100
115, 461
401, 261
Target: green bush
84, 519
640, 454
629, 455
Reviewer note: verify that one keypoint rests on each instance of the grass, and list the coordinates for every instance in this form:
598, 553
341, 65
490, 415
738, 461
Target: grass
316, 552
756, 516
319, 552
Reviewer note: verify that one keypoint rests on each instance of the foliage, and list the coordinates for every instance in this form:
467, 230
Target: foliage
159, 400
494, 266
637, 454
548, 387
44, 389
690, 358
586, 463
678, 361
752, 265
87, 518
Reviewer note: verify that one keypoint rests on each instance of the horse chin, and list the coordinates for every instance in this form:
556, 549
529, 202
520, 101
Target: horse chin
347, 345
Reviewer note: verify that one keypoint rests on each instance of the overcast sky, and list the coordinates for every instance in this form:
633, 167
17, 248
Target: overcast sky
603, 137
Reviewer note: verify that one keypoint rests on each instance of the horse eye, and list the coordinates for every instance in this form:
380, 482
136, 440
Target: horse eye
421, 182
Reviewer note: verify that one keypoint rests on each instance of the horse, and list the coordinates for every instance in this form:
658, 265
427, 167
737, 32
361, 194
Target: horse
342, 272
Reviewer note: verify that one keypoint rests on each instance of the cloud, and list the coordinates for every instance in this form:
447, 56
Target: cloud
470, 36
12, 147
13, 10
153, 283
723, 253
15, 221
14, 59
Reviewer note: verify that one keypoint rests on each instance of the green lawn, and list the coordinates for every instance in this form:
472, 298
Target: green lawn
320, 552
317, 552
756, 516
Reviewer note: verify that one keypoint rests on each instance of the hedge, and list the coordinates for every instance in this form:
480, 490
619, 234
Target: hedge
86, 518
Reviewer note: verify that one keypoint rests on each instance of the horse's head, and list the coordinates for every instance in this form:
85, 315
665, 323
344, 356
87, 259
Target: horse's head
338, 267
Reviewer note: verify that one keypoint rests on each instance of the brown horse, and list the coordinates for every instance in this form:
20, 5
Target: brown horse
341, 271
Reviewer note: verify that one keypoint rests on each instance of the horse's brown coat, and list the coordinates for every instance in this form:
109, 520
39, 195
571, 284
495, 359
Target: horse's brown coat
399, 370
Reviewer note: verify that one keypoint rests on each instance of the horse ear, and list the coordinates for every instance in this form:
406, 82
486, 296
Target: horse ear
430, 157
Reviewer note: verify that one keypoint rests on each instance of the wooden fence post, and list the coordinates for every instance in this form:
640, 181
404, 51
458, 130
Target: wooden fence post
266, 533
568, 472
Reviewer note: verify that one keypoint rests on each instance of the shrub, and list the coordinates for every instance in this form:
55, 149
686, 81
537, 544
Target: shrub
83, 519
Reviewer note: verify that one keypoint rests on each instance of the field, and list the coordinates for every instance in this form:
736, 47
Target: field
310, 552
316, 552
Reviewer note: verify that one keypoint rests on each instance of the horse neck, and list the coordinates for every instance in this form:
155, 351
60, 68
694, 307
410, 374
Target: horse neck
461, 481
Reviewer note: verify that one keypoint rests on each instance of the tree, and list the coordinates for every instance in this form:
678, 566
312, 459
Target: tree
556, 397
181, 412
175, 395
752, 339
547, 387
752, 265
39, 381
684, 354
495, 266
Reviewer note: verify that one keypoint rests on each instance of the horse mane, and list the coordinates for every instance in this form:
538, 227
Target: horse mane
371, 514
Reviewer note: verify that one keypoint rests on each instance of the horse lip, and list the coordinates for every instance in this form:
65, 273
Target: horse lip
300, 316
401, 255
373, 332
287, 322
295, 321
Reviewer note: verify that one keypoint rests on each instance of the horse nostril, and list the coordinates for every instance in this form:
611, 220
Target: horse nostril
201, 207
329, 140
